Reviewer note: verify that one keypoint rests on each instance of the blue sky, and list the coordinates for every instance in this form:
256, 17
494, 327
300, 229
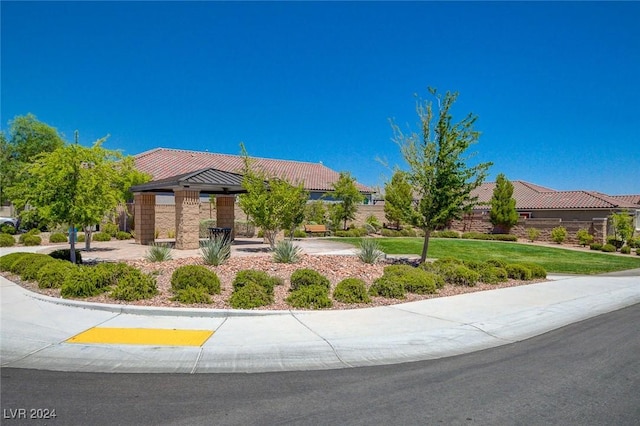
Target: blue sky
555, 85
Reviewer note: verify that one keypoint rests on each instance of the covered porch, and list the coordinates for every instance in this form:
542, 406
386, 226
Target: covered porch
187, 189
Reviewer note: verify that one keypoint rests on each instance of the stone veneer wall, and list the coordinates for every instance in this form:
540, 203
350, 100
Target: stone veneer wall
145, 216
187, 223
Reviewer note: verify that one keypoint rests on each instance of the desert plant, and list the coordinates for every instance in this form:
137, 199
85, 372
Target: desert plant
351, 290
387, 287
373, 221
369, 251
135, 285
53, 274
216, 251
109, 228
310, 297
250, 296
192, 295
31, 240
171, 233
122, 235
518, 272
286, 252
195, 276
7, 240
584, 237
308, 277
158, 253
533, 234
559, 234
58, 237
205, 224
101, 236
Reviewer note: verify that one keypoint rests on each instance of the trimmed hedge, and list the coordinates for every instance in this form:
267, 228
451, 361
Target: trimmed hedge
260, 278
308, 277
351, 290
135, 286
386, 286
195, 276
250, 296
310, 297
191, 295
519, 272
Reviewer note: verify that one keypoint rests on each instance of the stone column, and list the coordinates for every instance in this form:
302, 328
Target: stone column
187, 219
145, 218
225, 212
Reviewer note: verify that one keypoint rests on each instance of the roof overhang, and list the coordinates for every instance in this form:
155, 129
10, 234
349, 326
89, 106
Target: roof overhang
207, 181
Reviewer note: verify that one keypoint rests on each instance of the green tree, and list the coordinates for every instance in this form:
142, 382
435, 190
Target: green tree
622, 223
441, 180
75, 185
398, 199
503, 214
348, 196
271, 203
316, 212
27, 138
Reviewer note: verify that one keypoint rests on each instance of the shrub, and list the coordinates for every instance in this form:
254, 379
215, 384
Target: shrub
7, 229
65, 254
518, 272
390, 233
559, 234
386, 286
634, 242
617, 243
497, 262
30, 271
58, 237
7, 261
537, 271
171, 233
81, 237
53, 274
310, 297
195, 276
260, 278
286, 252
27, 234
192, 295
408, 232
110, 229
101, 236
625, 250
490, 274
81, 282
22, 262
158, 253
135, 286
608, 248
351, 290
584, 237
250, 296
31, 240
414, 280
7, 240
533, 234
216, 251
475, 236
445, 234
373, 221
459, 275
504, 237
369, 251
595, 246
308, 277
122, 235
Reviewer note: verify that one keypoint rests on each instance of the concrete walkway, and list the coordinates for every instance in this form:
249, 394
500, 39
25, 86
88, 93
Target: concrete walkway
35, 329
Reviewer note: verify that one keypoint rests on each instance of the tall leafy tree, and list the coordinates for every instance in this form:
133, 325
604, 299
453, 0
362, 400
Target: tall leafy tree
271, 203
398, 199
348, 196
27, 139
503, 214
75, 185
438, 172
622, 223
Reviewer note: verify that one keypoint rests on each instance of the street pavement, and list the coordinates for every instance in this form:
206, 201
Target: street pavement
40, 332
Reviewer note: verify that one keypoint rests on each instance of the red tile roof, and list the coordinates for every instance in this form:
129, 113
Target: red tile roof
164, 162
533, 197
632, 198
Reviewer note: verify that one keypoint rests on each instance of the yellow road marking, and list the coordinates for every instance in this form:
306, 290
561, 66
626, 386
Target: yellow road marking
142, 336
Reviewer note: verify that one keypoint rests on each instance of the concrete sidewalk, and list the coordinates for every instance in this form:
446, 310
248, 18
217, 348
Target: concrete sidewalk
35, 329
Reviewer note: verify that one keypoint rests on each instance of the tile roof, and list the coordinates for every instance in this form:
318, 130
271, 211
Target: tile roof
632, 198
162, 163
533, 197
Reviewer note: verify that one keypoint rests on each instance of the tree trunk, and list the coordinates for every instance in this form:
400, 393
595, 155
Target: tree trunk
425, 246
88, 233
72, 241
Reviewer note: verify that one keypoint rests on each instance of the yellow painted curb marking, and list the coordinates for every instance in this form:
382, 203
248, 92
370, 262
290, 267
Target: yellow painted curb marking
142, 336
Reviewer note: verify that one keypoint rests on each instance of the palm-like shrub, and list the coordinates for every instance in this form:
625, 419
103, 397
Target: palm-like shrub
158, 253
286, 252
216, 251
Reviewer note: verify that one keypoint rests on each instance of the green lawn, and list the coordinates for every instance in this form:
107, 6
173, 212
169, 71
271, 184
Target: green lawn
556, 260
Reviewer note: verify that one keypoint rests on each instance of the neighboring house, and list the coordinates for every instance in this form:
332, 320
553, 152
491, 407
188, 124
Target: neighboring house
544, 208
317, 178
